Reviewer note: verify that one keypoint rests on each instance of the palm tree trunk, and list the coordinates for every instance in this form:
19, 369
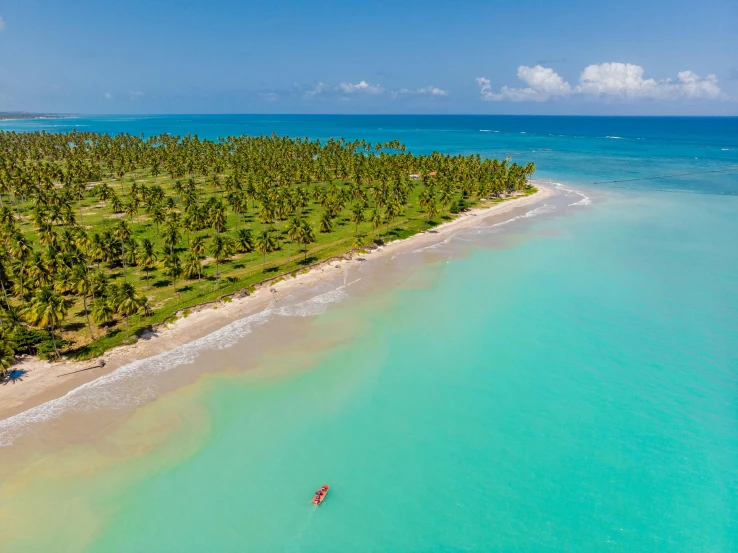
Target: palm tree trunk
126, 327
89, 327
53, 339
6, 295
20, 273
217, 275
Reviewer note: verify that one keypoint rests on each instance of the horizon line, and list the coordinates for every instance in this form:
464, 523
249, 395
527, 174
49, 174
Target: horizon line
41, 114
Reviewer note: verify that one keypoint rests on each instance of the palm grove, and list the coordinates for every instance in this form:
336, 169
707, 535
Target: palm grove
101, 235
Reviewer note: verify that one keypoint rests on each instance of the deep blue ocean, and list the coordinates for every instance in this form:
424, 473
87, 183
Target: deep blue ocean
566, 381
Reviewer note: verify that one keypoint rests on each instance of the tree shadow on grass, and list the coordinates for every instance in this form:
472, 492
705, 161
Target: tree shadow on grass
161, 283
81, 352
113, 332
74, 327
309, 261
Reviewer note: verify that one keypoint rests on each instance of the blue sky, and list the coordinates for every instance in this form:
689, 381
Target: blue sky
404, 56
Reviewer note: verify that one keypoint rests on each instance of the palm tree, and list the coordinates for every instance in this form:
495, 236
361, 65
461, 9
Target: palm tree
131, 209
264, 245
431, 209
83, 286
218, 218
102, 310
20, 248
529, 170
172, 267
192, 267
146, 256
325, 224
116, 204
357, 216
293, 229
221, 248
170, 235
7, 353
157, 216
198, 246
306, 236
123, 233
4, 278
99, 282
244, 241
47, 309
127, 302
375, 219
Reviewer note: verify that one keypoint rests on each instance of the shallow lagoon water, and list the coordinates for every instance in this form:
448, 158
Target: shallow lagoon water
563, 382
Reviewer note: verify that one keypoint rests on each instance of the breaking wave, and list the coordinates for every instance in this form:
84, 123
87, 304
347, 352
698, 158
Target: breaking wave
475, 231
585, 200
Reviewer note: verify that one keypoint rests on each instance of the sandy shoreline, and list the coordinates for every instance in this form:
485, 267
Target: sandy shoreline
45, 381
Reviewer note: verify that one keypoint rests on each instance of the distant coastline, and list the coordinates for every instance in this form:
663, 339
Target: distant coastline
20, 115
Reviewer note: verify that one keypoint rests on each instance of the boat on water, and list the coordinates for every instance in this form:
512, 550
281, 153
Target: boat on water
320, 494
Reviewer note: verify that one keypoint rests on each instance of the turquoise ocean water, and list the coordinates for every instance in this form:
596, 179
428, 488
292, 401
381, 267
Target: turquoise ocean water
565, 382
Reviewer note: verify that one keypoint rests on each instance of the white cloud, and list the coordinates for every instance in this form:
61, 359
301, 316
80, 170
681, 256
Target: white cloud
2, 23
346, 90
606, 80
108, 96
543, 83
360, 87
429, 90
319, 88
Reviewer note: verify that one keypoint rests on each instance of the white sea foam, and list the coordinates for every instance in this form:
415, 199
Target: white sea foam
131, 385
615, 137
484, 130
467, 234
585, 200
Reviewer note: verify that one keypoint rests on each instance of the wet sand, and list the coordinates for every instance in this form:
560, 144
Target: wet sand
46, 381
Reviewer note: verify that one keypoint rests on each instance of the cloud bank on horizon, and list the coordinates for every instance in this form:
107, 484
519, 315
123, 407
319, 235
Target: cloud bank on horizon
347, 90
610, 81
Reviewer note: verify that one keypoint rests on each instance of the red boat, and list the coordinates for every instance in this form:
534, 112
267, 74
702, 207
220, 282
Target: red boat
320, 494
